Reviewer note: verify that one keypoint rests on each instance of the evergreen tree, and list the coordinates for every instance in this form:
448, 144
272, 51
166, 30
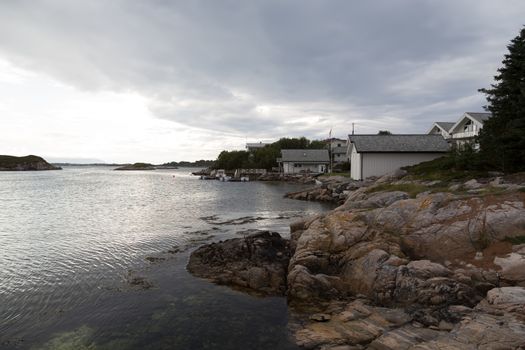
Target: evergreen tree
502, 139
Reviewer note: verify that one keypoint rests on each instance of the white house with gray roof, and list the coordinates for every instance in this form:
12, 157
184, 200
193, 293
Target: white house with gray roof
441, 128
253, 146
297, 161
377, 155
467, 128
464, 131
337, 149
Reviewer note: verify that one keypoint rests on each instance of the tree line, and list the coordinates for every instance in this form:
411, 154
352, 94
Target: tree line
265, 157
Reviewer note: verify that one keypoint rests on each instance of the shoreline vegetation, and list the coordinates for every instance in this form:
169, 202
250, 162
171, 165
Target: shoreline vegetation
26, 163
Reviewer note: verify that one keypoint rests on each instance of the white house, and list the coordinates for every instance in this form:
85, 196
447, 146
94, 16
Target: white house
467, 128
296, 161
338, 150
250, 147
441, 128
377, 155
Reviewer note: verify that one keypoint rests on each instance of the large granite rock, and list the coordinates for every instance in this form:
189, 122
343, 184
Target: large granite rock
256, 263
397, 254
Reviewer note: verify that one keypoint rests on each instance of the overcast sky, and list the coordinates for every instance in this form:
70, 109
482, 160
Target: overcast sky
159, 80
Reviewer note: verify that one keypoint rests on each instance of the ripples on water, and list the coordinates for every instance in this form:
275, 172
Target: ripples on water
70, 238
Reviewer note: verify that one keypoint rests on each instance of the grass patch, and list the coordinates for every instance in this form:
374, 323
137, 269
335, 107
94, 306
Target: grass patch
345, 174
412, 189
442, 169
522, 189
516, 240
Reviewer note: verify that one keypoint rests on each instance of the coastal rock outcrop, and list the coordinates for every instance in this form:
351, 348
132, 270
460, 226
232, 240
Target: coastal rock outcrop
392, 254
27, 163
394, 269
334, 189
495, 323
432, 258
256, 263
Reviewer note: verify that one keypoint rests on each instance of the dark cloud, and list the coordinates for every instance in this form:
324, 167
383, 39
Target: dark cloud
270, 68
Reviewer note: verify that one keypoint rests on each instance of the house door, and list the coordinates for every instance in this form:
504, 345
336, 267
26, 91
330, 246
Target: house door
322, 168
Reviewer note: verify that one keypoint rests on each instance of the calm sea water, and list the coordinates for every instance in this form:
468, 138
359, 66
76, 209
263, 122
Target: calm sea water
92, 258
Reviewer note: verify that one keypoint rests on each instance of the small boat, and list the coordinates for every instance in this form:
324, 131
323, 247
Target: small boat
224, 178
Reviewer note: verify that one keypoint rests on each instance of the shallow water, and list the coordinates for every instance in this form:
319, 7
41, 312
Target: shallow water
72, 240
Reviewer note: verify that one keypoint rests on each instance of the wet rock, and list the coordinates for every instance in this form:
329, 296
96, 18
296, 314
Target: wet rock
138, 282
155, 259
257, 263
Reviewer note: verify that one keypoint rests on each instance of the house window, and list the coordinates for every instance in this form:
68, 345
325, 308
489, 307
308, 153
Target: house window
297, 165
468, 126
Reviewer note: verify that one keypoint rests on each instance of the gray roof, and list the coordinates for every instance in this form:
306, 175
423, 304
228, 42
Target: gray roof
305, 155
399, 143
445, 125
257, 144
480, 117
336, 150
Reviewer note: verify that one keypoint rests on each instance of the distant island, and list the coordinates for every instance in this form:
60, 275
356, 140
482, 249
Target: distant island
27, 163
185, 164
169, 165
137, 166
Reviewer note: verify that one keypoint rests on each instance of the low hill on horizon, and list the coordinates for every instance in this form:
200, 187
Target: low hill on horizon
25, 163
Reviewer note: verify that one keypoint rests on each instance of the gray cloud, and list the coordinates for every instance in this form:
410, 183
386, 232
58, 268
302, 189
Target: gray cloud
272, 68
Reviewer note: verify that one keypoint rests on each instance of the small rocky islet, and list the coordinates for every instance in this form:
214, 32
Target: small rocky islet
26, 163
137, 166
429, 269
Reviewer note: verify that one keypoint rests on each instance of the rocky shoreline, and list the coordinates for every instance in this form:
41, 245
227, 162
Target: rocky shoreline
401, 264
332, 189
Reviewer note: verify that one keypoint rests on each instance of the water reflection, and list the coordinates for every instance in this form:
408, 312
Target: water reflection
70, 239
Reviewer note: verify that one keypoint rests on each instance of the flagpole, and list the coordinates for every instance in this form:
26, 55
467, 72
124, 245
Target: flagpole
330, 149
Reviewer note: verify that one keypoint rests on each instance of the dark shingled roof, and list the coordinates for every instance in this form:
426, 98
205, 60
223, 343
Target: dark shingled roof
399, 143
305, 155
336, 150
480, 117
